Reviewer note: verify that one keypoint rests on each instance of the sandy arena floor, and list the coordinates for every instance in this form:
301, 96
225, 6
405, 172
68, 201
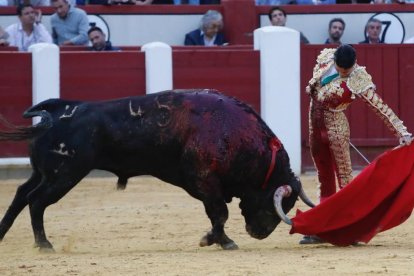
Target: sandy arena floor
153, 228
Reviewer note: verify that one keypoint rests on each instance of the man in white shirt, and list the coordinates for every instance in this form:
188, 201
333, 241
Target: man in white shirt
3, 37
29, 30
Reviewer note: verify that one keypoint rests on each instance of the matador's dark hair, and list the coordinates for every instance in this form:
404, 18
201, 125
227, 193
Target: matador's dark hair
345, 56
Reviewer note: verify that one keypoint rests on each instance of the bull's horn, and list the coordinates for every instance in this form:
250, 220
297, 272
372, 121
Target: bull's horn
305, 198
281, 192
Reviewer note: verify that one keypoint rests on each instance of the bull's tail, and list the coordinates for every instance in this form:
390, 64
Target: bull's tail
20, 133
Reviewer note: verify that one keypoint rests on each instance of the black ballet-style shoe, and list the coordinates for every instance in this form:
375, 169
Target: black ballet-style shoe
311, 240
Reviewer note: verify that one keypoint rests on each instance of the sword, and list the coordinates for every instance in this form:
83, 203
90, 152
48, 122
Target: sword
360, 153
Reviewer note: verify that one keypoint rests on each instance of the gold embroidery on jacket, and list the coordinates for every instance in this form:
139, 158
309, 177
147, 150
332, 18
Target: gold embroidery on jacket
359, 80
384, 112
323, 62
338, 134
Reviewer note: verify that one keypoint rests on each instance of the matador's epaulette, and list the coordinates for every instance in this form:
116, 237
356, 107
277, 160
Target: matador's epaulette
323, 62
359, 80
326, 56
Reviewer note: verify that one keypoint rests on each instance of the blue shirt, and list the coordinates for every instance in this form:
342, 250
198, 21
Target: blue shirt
73, 27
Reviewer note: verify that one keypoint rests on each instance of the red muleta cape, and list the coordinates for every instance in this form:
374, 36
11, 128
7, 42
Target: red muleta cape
379, 198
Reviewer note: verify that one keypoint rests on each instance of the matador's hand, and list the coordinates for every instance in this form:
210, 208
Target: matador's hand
406, 140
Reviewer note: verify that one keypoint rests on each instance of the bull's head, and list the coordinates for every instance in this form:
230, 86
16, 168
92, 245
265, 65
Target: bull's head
260, 213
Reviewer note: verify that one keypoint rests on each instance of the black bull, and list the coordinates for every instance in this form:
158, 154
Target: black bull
213, 146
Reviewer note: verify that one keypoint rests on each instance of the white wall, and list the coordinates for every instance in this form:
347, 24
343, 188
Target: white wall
280, 86
142, 29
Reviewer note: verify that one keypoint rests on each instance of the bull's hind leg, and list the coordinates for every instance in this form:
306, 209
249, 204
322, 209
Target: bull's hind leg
44, 195
18, 203
218, 214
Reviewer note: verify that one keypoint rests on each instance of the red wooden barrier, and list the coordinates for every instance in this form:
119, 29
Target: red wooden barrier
8, 49
15, 95
102, 75
234, 72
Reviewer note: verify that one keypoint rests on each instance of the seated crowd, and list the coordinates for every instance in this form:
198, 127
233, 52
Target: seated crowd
39, 3
70, 26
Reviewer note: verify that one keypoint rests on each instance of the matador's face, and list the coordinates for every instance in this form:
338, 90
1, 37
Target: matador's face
344, 72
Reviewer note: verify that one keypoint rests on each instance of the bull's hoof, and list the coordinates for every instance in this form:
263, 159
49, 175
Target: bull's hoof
120, 186
230, 246
205, 241
45, 247
226, 244
46, 250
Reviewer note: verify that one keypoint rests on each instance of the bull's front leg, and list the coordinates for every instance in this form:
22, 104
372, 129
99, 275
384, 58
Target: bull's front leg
218, 213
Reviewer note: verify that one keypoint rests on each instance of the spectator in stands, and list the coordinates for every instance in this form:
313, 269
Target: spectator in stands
209, 32
3, 37
316, 2
373, 30
137, 2
69, 24
98, 40
335, 31
34, 3
197, 2
353, 1
371, 1
278, 17
210, 2
275, 2
154, 2
295, 2
29, 30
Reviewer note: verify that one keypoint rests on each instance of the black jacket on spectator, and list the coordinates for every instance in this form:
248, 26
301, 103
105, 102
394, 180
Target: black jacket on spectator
108, 47
107, 2
195, 38
350, 1
366, 41
209, 2
163, 2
